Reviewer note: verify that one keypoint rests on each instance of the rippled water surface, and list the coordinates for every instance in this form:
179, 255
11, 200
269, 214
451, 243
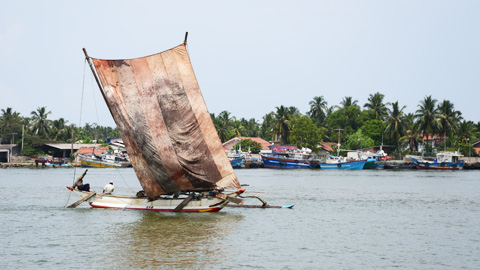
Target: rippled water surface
370, 219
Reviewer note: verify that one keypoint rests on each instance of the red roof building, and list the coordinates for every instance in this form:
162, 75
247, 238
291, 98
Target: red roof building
228, 145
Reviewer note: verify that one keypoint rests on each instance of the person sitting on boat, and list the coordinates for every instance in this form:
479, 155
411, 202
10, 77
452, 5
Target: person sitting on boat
79, 183
108, 189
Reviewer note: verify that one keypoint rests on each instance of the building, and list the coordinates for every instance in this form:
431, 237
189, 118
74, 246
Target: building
7, 151
228, 145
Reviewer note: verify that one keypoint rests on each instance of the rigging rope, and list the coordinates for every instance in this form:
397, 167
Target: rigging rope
79, 125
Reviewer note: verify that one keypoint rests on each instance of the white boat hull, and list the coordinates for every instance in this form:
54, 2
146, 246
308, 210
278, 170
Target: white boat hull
204, 204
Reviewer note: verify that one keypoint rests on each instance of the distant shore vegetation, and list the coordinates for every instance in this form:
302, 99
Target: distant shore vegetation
375, 123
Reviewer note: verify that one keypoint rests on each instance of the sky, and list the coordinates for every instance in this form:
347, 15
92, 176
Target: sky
249, 57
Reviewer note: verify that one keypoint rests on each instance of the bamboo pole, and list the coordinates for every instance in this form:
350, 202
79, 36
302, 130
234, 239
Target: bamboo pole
97, 80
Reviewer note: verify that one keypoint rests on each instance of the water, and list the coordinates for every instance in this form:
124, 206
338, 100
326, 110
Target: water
341, 220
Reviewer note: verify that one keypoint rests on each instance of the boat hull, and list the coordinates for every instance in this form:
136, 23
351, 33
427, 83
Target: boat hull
444, 166
354, 165
370, 164
210, 204
91, 163
285, 163
236, 163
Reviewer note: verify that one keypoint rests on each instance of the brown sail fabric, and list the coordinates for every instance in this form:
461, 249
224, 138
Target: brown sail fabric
164, 122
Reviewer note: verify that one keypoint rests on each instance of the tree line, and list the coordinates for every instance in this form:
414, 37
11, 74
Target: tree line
37, 129
375, 123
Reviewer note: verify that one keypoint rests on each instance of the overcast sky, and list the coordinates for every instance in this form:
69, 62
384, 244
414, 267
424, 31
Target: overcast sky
248, 56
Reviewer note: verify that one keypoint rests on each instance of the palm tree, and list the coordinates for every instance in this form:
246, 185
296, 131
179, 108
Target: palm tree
225, 125
238, 128
466, 130
9, 124
266, 129
250, 127
59, 130
318, 109
411, 136
395, 127
449, 119
348, 101
41, 124
375, 103
427, 117
281, 122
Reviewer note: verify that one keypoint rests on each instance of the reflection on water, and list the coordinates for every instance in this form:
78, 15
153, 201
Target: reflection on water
172, 240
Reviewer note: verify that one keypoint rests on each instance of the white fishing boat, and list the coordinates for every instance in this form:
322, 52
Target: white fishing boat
168, 134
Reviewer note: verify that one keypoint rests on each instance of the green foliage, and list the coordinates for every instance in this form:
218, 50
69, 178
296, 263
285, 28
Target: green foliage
10, 126
359, 140
347, 118
374, 130
304, 132
246, 144
31, 146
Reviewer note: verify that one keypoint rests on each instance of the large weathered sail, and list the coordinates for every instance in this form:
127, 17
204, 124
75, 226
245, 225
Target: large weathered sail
164, 122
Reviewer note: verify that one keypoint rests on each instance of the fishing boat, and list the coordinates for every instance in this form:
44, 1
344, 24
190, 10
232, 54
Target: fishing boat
103, 161
340, 163
361, 155
443, 161
168, 133
289, 157
236, 162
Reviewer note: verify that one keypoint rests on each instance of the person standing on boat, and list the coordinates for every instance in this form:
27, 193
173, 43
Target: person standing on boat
79, 183
108, 189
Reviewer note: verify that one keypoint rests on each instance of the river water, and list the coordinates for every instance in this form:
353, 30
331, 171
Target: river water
371, 219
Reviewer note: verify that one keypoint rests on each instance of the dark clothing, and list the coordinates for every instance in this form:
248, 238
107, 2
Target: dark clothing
85, 187
79, 183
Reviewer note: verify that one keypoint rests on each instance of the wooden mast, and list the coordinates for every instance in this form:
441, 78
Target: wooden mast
96, 79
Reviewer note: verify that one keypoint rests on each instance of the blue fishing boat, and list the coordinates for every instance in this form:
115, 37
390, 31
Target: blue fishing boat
283, 162
444, 161
338, 164
236, 162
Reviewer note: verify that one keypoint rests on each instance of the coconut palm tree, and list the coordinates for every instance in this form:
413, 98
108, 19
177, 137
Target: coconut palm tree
9, 124
449, 119
348, 101
427, 117
266, 128
395, 127
375, 103
466, 130
250, 126
225, 125
411, 137
318, 109
41, 125
59, 130
281, 122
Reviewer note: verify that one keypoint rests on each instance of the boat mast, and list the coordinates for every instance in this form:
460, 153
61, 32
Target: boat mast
338, 145
96, 79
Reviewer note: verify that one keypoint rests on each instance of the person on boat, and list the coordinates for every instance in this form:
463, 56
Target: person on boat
79, 183
108, 189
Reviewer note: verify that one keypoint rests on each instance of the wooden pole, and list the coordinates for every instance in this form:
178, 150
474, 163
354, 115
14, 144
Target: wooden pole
97, 80
77, 203
183, 203
23, 135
